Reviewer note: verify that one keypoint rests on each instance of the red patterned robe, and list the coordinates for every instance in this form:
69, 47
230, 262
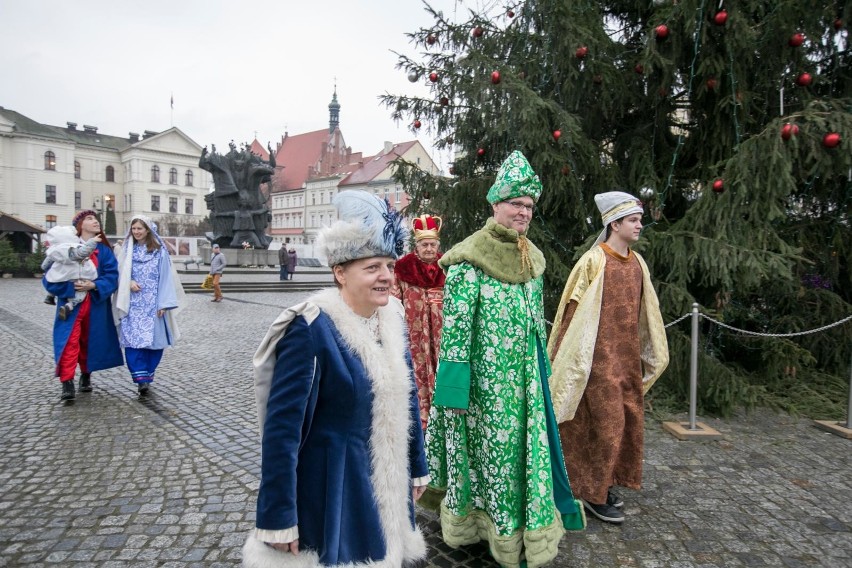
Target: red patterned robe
420, 287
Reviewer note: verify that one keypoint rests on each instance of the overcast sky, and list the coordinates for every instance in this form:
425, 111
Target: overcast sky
233, 70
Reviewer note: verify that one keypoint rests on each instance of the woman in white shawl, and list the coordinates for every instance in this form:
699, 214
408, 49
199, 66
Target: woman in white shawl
148, 298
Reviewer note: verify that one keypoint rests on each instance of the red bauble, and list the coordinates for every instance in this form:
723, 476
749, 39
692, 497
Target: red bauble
581, 52
495, 77
661, 32
444, 101
804, 80
796, 40
416, 124
510, 13
431, 39
477, 31
831, 140
719, 186
838, 24
565, 170
597, 79
557, 134
433, 77
480, 152
789, 130
711, 84
639, 68
720, 18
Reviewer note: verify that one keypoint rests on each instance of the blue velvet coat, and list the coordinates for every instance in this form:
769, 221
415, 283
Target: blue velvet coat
341, 442
104, 351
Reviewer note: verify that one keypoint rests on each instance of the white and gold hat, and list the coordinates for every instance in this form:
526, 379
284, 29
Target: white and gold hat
613, 206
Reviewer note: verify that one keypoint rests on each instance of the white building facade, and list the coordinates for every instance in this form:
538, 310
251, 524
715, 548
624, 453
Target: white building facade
48, 173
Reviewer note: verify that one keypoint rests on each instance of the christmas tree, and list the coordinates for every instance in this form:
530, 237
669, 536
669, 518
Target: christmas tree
732, 122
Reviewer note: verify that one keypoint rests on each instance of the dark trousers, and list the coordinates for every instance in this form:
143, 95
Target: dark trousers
283, 272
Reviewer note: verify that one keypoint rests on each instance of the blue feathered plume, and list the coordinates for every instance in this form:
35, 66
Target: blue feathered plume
367, 226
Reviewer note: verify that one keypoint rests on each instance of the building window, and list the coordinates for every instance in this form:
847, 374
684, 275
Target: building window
173, 176
398, 195
172, 204
189, 178
50, 161
76, 170
49, 221
110, 173
155, 203
187, 206
155, 174
78, 201
50, 194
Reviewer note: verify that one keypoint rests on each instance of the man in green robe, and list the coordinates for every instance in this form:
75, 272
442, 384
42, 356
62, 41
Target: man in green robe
492, 441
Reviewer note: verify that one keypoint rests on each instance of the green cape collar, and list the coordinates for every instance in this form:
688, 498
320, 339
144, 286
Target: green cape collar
496, 250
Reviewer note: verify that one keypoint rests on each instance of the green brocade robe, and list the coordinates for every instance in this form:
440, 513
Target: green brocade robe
497, 469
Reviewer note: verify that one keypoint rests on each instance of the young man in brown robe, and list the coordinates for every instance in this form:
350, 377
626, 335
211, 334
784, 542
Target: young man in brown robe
608, 347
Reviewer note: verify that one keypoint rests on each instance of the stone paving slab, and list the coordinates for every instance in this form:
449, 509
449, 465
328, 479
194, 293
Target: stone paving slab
171, 480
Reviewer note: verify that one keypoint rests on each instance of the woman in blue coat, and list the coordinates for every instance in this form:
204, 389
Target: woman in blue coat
342, 446
87, 336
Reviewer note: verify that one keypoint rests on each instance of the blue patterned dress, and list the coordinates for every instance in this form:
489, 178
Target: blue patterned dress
141, 328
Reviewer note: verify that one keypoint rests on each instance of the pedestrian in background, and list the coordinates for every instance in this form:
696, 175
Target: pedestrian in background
148, 298
87, 336
291, 264
217, 267
342, 450
284, 262
492, 439
608, 346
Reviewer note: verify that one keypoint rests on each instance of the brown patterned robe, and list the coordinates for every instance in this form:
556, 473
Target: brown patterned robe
420, 288
603, 443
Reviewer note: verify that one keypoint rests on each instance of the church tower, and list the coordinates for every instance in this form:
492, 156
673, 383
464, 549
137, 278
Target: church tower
333, 112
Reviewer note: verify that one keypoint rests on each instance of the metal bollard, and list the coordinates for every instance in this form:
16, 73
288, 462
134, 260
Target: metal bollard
849, 406
693, 369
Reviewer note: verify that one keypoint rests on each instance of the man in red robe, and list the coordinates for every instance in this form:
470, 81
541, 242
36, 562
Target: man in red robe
420, 287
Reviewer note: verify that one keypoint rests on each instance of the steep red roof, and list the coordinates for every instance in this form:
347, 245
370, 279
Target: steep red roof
256, 148
377, 164
312, 154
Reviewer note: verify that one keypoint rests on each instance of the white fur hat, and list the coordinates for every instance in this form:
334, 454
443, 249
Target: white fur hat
367, 226
614, 205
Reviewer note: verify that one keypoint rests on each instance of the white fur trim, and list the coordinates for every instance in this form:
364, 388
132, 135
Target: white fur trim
391, 384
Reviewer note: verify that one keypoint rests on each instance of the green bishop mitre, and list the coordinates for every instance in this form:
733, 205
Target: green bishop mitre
515, 178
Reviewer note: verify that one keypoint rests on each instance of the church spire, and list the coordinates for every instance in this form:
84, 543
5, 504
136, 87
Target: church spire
333, 111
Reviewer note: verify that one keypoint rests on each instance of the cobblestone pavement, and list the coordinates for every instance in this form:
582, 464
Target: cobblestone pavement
170, 481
